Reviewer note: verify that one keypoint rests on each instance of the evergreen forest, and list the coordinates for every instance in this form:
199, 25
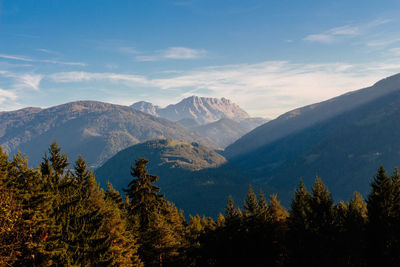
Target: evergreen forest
57, 215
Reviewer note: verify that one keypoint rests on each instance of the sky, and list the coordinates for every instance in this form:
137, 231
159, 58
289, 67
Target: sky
267, 56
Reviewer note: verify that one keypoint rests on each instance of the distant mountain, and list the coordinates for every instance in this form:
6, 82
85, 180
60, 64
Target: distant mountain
189, 123
146, 107
92, 129
223, 132
342, 140
202, 109
187, 171
252, 123
218, 119
301, 118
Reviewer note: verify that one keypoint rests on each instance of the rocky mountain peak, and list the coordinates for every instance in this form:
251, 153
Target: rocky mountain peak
146, 107
202, 109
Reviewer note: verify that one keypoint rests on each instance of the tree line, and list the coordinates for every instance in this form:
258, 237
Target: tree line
57, 215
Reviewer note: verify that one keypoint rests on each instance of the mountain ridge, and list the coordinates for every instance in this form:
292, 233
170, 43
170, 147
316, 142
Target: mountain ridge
202, 109
94, 129
301, 118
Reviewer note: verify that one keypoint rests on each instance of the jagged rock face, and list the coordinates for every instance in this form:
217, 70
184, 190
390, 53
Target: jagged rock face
146, 107
202, 109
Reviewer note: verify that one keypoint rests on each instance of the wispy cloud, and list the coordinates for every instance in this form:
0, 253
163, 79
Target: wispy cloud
264, 89
24, 80
332, 34
346, 31
382, 42
66, 77
50, 61
7, 95
174, 53
47, 51
183, 53
14, 57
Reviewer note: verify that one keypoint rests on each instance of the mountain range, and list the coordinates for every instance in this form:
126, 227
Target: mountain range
92, 129
202, 109
220, 120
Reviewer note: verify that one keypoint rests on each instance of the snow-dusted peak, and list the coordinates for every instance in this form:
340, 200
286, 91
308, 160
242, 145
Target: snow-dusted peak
202, 109
146, 107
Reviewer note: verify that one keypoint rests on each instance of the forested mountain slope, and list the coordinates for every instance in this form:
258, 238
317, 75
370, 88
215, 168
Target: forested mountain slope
194, 177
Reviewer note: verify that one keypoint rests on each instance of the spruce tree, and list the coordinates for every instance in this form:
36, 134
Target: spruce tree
144, 196
382, 223
251, 206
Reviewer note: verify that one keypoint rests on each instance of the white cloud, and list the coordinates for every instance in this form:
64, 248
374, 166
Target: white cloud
183, 53
50, 61
382, 42
148, 58
80, 76
47, 51
346, 31
30, 81
320, 38
14, 57
177, 52
264, 89
7, 95
333, 34
24, 80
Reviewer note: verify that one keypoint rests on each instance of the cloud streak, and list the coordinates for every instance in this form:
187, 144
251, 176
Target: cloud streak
333, 34
177, 53
50, 61
346, 31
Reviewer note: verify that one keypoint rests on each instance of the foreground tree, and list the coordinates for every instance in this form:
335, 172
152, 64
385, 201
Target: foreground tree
158, 223
383, 219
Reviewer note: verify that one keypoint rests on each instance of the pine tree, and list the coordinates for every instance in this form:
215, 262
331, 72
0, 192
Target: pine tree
264, 210
251, 206
350, 238
124, 248
231, 211
382, 215
144, 196
277, 211
11, 235
299, 227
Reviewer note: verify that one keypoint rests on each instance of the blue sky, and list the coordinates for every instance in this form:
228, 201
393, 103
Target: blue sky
267, 56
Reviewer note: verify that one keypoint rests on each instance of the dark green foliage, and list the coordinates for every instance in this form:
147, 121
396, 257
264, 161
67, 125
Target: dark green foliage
383, 219
60, 217
185, 169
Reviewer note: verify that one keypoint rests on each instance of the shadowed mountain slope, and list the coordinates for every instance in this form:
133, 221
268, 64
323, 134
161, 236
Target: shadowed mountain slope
345, 150
194, 177
223, 132
301, 118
